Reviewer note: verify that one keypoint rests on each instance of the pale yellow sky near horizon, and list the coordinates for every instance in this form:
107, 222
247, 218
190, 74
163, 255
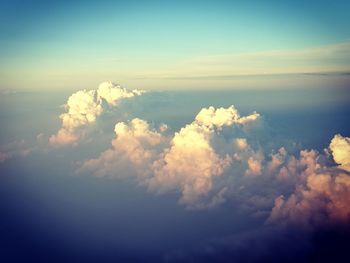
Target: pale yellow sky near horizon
307, 67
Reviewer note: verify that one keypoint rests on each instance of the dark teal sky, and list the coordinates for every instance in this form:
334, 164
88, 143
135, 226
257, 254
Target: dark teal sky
158, 43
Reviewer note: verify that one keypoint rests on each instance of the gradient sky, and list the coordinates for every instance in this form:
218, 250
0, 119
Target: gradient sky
239, 149
168, 44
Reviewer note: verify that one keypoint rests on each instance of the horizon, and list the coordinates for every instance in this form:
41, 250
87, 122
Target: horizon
164, 44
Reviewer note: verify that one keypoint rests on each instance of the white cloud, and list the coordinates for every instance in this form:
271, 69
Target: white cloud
340, 148
84, 106
112, 93
220, 117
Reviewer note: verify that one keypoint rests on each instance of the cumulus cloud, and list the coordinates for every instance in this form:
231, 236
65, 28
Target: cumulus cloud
215, 158
189, 162
133, 151
340, 148
322, 193
254, 165
196, 157
83, 108
218, 118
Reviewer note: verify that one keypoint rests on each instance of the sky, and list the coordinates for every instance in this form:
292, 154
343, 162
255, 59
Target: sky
174, 131
172, 44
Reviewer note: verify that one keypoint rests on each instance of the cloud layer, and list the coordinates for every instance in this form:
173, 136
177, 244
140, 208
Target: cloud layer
218, 157
259, 190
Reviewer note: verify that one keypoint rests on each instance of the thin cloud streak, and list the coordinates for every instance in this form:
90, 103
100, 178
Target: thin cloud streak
324, 60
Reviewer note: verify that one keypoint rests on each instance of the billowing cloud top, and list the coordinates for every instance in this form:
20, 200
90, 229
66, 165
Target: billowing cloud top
321, 193
212, 160
133, 150
193, 160
112, 93
212, 117
215, 158
84, 106
340, 148
188, 162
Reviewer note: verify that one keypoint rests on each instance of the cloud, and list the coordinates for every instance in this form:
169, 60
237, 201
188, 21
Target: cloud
14, 149
328, 60
308, 225
322, 193
189, 162
220, 117
23, 148
254, 165
340, 148
83, 108
133, 151
7, 91
194, 160
218, 157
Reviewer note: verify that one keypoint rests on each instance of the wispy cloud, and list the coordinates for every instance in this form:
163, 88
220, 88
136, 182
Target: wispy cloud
330, 59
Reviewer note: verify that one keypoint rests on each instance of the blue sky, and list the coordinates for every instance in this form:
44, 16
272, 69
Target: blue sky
149, 42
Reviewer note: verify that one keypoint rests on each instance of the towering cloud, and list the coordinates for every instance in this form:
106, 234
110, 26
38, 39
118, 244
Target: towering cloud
189, 162
194, 160
84, 106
